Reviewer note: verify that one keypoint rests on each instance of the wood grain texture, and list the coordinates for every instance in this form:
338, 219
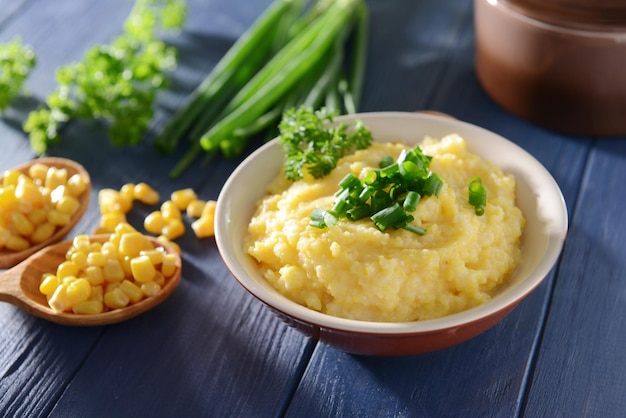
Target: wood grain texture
213, 350
581, 367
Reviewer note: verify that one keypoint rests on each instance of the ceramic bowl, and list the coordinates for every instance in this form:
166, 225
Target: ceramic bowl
538, 196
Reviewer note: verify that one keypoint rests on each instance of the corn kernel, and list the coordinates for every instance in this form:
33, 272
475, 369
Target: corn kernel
38, 216
59, 301
28, 191
49, 284
97, 293
68, 204
96, 259
169, 265
4, 236
170, 210
132, 243
67, 269
10, 178
116, 299
22, 225
159, 278
150, 288
110, 220
89, 307
128, 191
58, 218
38, 171
58, 193
78, 291
154, 222
82, 242
17, 243
155, 255
110, 200
174, 229
76, 185
146, 194
42, 232
165, 240
79, 258
94, 275
55, 177
203, 227
125, 263
113, 271
195, 208
209, 208
182, 197
109, 250
142, 269
133, 291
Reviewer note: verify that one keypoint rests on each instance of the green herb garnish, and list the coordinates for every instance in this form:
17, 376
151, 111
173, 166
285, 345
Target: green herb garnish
477, 195
16, 62
312, 143
115, 82
387, 195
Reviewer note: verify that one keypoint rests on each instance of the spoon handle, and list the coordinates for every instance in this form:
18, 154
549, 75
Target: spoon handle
10, 289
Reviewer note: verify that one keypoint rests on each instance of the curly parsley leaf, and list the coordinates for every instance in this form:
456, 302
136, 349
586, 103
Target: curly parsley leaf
313, 143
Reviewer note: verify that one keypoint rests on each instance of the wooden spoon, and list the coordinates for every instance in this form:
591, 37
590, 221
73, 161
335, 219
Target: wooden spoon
10, 258
20, 287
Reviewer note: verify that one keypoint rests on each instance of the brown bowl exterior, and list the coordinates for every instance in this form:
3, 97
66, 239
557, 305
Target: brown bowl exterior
395, 345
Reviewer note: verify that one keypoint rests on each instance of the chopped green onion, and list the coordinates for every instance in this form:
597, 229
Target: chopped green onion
388, 195
432, 185
477, 195
411, 200
391, 216
321, 218
386, 161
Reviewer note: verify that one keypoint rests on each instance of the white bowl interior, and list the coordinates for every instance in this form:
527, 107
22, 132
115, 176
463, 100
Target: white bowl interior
538, 196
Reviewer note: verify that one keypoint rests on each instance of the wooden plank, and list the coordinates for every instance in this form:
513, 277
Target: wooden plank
581, 367
197, 350
440, 76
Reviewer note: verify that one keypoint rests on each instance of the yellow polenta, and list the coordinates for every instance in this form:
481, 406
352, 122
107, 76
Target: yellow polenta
353, 270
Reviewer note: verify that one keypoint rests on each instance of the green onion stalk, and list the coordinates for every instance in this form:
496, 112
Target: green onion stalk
294, 54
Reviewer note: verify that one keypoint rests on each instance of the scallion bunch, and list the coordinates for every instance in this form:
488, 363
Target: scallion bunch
294, 54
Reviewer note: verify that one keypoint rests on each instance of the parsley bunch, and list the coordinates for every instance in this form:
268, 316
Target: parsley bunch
311, 142
117, 82
16, 62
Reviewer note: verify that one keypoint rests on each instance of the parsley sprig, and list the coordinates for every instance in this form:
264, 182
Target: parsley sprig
312, 143
115, 82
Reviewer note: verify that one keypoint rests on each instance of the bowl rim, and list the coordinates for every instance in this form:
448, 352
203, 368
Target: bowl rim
507, 298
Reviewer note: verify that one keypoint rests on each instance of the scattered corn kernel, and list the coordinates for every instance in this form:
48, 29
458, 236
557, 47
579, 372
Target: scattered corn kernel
203, 227
146, 194
183, 197
195, 208
174, 228
154, 222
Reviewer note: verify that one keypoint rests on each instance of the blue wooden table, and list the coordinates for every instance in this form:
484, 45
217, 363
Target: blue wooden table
213, 350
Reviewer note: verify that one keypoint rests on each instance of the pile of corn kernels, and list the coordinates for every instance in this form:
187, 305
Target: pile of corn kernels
34, 206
